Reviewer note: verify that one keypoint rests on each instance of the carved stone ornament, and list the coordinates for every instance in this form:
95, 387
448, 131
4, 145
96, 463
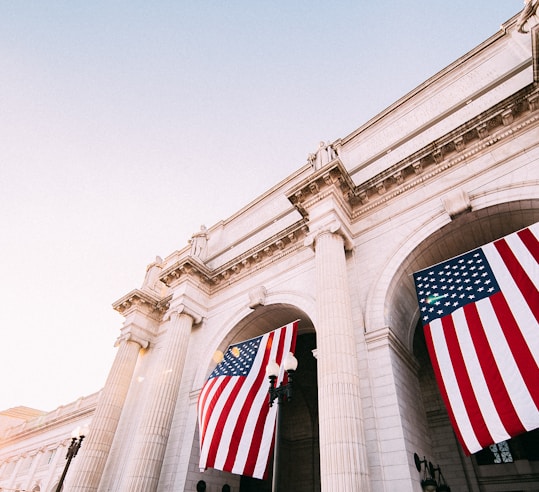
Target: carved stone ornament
184, 309
529, 10
333, 227
456, 203
133, 333
257, 297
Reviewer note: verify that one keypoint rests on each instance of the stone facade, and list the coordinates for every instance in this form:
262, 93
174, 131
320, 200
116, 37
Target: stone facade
451, 166
33, 444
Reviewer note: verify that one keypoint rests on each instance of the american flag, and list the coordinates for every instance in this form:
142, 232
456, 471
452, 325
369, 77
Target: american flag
235, 421
480, 313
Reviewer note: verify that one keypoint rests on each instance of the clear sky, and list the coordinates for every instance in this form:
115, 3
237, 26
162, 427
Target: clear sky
125, 126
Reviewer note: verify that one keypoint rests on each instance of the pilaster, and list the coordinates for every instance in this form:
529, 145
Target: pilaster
141, 311
144, 467
324, 199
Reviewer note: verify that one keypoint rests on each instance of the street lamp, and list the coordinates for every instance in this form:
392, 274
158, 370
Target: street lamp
281, 393
76, 440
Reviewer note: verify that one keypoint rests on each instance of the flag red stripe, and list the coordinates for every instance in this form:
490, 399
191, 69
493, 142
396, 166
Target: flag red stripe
246, 408
442, 388
230, 408
498, 391
223, 417
517, 343
465, 385
521, 278
531, 242
261, 421
204, 422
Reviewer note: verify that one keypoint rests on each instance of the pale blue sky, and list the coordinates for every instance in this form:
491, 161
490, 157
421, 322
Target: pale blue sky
124, 126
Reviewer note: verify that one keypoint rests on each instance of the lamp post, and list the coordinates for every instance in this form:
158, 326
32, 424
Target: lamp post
281, 393
429, 482
76, 440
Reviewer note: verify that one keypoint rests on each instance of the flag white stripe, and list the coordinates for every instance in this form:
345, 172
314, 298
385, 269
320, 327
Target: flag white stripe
216, 413
524, 257
260, 399
208, 394
510, 373
524, 317
451, 386
477, 379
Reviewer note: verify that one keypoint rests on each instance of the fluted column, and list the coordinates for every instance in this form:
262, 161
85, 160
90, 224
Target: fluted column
150, 442
342, 446
90, 462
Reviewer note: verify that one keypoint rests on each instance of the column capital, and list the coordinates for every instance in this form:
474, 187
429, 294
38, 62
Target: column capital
331, 226
179, 309
134, 333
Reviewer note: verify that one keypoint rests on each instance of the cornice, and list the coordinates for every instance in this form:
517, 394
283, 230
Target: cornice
81, 409
504, 120
186, 266
144, 301
263, 254
500, 122
320, 184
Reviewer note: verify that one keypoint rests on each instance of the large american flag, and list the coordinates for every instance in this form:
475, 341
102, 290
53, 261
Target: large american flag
235, 421
480, 313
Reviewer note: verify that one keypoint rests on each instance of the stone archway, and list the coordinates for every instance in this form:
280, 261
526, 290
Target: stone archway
299, 465
462, 234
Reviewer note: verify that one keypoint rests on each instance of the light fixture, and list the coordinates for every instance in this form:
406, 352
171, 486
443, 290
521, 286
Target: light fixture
77, 437
442, 485
428, 480
281, 393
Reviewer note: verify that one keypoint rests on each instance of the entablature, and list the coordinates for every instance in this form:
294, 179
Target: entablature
321, 183
256, 258
502, 121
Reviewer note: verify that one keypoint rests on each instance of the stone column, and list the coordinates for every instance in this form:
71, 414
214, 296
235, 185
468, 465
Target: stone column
150, 442
89, 464
342, 443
